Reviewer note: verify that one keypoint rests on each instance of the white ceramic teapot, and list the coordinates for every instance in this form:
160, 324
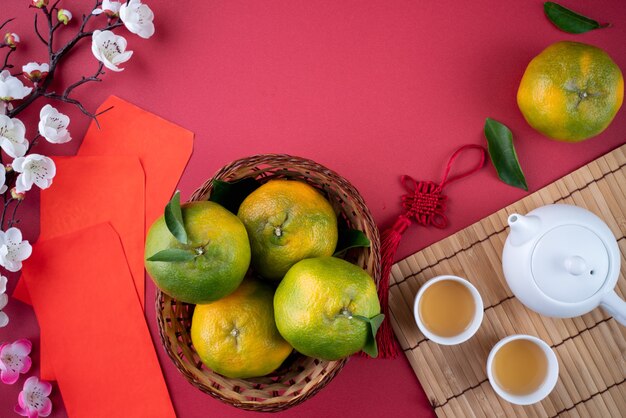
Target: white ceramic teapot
563, 261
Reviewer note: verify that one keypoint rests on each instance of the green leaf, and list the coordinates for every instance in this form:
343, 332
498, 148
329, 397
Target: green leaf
174, 219
370, 347
375, 323
349, 238
503, 155
569, 21
230, 194
173, 255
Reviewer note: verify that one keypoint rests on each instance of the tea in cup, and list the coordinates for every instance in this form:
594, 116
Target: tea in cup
522, 369
448, 310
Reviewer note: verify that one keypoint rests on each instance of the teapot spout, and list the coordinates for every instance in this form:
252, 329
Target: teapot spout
523, 228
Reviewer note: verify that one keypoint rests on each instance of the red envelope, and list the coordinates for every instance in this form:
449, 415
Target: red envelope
162, 147
83, 295
86, 193
126, 130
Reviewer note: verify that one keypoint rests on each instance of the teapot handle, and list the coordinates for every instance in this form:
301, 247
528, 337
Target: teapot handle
615, 306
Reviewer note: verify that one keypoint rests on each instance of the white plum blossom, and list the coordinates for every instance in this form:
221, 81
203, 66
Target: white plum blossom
34, 169
110, 8
13, 250
64, 16
137, 18
13, 136
35, 72
110, 49
53, 125
11, 88
4, 299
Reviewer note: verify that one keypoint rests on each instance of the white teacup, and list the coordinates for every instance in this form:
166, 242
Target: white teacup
469, 331
543, 390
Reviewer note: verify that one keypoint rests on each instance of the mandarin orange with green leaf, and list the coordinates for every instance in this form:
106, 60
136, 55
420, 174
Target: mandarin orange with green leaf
198, 252
328, 308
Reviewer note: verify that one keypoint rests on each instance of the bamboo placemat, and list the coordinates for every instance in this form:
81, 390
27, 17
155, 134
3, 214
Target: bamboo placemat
591, 349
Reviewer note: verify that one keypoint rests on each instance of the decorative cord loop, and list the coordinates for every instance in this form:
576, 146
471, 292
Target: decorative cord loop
424, 203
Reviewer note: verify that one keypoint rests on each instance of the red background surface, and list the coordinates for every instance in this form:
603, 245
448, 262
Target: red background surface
371, 89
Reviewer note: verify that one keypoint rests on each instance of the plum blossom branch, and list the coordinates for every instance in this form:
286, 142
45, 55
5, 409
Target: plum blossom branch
13, 219
65, 96
6, 60
27, 169
6, 22
57, 56
5, 207
85, 80
76, 103
39, 33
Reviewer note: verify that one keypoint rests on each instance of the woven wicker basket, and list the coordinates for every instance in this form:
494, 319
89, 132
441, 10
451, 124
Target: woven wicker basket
299, 377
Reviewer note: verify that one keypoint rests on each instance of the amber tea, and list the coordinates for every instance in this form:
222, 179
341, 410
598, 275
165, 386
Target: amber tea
520, 367
447, 308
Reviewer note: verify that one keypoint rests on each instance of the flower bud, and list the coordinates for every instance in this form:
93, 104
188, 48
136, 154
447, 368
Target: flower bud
35, 72
11, 39
39, 3
64, 16
111, 8
16, 195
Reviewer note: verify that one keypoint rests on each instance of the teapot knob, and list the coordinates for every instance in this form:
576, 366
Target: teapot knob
575, 265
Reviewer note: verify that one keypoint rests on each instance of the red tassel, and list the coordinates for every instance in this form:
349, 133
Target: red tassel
386, 340
425, 205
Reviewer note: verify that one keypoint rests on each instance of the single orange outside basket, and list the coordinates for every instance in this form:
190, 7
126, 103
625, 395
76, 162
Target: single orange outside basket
299, 377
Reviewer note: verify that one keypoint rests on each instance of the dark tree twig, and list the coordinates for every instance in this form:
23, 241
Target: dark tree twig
65, 96
7, 202
41, 90
13, 221
6, 22
38, 33
54, 6
6, 60
84, 80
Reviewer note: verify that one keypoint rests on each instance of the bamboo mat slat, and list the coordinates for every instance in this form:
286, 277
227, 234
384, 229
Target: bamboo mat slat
591, 349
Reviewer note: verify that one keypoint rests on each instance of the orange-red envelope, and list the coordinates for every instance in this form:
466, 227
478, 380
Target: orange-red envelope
88, 191
126, 131
83, 295
162, 147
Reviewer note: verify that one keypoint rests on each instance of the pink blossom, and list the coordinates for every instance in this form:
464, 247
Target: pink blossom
14, 360
33, 400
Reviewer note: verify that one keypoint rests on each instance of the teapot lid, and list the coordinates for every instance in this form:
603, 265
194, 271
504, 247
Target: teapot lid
570, 263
